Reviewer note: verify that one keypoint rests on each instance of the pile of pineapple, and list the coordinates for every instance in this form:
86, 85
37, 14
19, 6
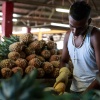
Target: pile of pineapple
25, 54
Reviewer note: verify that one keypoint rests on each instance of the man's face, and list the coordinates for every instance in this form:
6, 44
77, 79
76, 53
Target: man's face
78, 27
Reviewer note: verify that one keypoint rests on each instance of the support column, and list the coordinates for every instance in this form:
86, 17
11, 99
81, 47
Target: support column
7, 24
28, 30
40, 35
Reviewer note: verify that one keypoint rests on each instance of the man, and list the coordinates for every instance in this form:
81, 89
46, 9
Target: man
82, 45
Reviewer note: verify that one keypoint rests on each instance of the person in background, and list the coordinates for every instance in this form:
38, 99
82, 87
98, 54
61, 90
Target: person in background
51, 38
82, 46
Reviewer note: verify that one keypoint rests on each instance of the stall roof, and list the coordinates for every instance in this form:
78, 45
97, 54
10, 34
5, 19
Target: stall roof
41, 13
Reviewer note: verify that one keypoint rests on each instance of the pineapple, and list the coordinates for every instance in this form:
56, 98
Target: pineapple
13, 55
35, 62
26, 38
22, 54
29, 51
6, 72
41, 72
46, 54
7, 63
16, 69
36, 45
17, 46
30, 57
53, 51
56, 64
50, 44
21, 63
43, 42
29, 69
48, 67
54, 58
55, 73
41, 58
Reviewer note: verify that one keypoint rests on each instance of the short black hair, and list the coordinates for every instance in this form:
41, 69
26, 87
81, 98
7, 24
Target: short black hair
80, 10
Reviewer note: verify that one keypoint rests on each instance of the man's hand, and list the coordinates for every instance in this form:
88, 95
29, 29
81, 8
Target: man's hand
64, 73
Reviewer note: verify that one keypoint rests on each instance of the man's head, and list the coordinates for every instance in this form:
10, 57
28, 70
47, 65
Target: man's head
79, 17
80, 10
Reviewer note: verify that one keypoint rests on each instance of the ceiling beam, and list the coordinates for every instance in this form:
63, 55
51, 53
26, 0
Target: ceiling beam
37, 3
94, 5
41, 19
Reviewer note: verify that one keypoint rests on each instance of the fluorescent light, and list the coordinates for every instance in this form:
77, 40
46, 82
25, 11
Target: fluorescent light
40, 29
59, 24
14, 20
14, 15
0, 18
0, 13
62, 10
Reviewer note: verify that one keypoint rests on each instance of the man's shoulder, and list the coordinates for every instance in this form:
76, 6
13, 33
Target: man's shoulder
95, 32
68, 33
66, 38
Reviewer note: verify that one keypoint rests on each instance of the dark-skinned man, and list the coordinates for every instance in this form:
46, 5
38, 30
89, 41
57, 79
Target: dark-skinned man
82, 46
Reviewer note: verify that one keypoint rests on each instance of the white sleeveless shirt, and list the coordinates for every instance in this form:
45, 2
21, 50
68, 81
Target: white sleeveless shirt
84, 62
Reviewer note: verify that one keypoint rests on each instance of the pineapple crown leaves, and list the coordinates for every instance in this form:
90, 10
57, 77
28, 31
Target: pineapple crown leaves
14, 38
11, 39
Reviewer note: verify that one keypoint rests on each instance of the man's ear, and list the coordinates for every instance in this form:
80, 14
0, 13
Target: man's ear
89, 21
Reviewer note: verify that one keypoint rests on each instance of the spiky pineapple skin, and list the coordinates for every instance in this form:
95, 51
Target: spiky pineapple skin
21, 63
30, 57
55, 73
56, 64
35, 45
50, 44
7, 63
26, 38
17, 69
48, 67
35, 62
46, 54
41, 58
17, 46
13, 55
43, 43
41, 72
29, 69
6, 72
53, 51
54, 58
28, 51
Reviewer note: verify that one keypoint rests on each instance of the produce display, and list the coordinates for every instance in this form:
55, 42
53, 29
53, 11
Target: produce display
25, 54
